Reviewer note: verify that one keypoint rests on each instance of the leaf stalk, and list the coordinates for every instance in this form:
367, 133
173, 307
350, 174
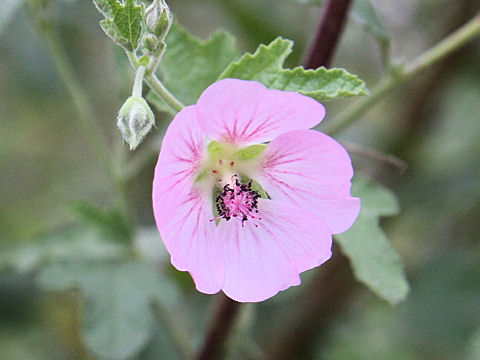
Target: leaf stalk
399, 75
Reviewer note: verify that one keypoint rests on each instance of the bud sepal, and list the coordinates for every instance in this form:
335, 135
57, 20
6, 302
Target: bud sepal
158, 19
135, 120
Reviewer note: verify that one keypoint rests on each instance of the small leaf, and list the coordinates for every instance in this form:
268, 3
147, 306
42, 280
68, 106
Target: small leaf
111, 224
190, 65
365, 16
68, 245
375, 262
475, 346
123, 21
265, 66
311, 2
7, 10
250, 152
118, 318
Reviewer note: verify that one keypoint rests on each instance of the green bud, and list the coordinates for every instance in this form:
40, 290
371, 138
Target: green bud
135, 119
158, 18
150, 43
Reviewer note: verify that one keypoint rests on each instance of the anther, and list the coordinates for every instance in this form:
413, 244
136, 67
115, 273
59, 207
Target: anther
238, 201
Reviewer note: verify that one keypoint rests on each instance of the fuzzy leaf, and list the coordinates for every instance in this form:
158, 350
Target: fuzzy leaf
311, 2
7, 10
190, 64
365, 15
266, 66
73, 244
123, 21
111, 224
475, 346
118, 318
375, 262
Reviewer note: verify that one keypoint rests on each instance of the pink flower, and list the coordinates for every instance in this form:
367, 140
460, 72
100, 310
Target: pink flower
241, 215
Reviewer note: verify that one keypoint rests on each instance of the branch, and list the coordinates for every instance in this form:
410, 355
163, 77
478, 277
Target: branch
444, 48
225, 313
328, 33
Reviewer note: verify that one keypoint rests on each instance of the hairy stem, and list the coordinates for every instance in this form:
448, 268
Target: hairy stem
444, 48
157, 87
138, 84
328, 33
225, 313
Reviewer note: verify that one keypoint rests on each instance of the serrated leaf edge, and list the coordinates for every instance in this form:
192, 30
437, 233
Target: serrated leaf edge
279, 41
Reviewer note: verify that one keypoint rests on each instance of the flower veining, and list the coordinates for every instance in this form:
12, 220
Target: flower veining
246, 196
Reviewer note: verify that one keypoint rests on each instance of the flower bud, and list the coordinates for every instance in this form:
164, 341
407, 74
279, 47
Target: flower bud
135, 119
151, 45
158, 18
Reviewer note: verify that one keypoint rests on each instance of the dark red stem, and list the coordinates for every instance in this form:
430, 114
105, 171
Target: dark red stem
328, 33
225, 313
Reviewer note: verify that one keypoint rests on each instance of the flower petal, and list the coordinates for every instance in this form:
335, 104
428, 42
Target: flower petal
183, 213
183, 150
312, 170
194, 244
246, 112
261, 261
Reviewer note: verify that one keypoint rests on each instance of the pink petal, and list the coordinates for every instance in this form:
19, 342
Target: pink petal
261, 261
312, 170
194, 244
183, 150
246, 112
182, 213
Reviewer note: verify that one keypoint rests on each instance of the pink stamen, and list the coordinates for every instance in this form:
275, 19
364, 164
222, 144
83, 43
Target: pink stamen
237, 201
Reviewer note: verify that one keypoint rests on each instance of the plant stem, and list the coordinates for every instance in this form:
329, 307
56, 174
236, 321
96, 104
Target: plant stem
156, 86
80, 100
328, 33
226, 312
444, 48
138, 84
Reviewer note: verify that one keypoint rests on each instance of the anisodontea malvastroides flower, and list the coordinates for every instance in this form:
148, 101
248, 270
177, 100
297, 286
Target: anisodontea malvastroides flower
246, 197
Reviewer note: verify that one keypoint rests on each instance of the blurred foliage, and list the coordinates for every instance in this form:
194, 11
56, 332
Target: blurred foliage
374, 261
46, 164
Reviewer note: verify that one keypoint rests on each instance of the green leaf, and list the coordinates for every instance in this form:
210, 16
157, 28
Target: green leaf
118, 317
190, 65
71, 244
111, 224
266, 66
123, 21
475, 346
311, 2
7, 10
375, 262
365, 16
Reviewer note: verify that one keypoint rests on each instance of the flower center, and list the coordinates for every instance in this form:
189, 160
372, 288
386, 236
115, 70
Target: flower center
237, 200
